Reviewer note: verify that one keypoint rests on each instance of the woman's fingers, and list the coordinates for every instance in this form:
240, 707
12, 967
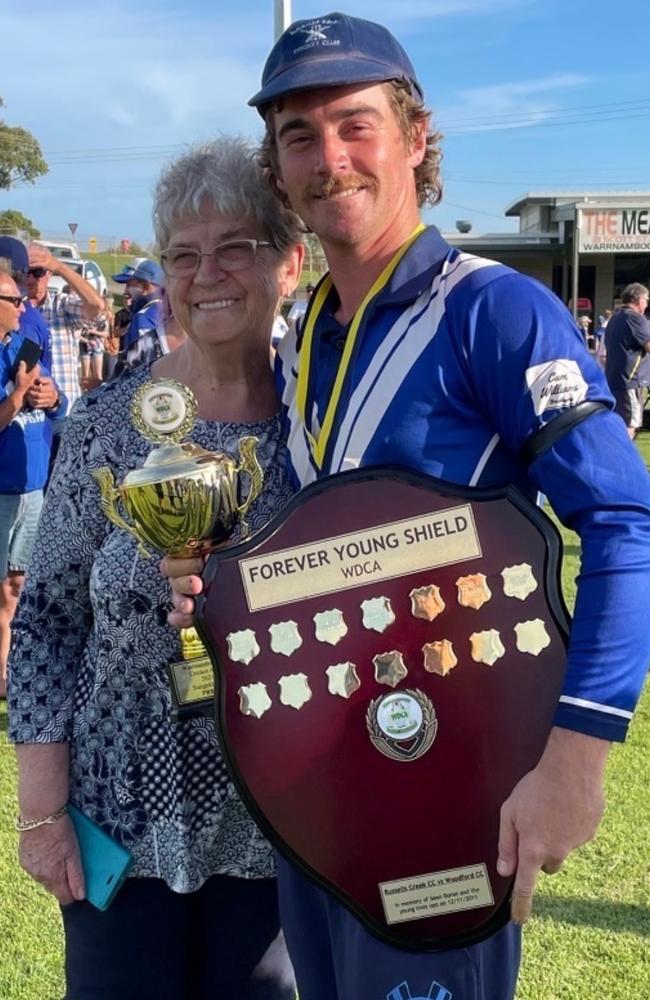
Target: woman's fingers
50, 854
183, 575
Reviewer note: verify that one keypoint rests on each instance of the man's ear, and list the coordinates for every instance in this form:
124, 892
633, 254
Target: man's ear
418, 144
290, 270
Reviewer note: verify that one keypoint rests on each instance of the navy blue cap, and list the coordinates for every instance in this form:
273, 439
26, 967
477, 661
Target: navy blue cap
146, 270
333, 51
15, 251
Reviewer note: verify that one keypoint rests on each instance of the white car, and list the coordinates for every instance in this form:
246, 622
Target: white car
88, 269
64, 251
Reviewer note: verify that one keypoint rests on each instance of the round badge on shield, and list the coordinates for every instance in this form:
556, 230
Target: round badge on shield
402, 725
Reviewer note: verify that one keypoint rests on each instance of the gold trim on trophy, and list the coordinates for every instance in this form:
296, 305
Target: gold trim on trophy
164, 411
183, 502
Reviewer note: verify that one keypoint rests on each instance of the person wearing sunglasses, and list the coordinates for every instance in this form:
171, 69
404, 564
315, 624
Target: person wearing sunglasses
14, 260
28, 403
65, 313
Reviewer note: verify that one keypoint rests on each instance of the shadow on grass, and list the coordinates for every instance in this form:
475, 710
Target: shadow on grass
601, 914
571, 550
3, 723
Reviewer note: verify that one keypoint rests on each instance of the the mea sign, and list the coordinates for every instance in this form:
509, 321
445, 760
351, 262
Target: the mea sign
614, 230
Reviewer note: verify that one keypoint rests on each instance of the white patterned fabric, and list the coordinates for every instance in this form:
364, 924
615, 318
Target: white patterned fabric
91, 646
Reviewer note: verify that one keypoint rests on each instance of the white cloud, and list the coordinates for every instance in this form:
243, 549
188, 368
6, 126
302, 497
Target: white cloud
509, 105
122, 67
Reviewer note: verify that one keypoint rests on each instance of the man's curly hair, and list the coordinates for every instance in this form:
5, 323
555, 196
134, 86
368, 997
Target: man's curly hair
409, 112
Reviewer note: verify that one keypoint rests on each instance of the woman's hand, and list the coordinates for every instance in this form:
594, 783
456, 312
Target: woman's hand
50, 854
186, 584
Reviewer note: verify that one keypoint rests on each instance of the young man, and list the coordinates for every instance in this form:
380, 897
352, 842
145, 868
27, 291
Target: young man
466, 370
29, 401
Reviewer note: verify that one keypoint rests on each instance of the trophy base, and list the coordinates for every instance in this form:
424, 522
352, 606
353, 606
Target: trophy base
192, 688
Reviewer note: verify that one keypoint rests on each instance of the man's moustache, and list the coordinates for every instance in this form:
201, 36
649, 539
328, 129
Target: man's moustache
337, 185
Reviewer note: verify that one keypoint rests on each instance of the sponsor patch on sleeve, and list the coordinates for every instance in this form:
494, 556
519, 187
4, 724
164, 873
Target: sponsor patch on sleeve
556, 385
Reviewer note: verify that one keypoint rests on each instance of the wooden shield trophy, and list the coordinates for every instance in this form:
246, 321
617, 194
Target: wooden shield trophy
389, 652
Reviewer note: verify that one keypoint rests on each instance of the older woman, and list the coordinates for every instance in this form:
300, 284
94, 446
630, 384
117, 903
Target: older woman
89, 699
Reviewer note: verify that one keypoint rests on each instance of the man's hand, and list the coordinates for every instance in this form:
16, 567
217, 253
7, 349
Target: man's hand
554, 809
186, 584
42, 394
25, 380
50, 854
41, 257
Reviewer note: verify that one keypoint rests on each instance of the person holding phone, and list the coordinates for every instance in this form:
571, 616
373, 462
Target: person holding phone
29, 400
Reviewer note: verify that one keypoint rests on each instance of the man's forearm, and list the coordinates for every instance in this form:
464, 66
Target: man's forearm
83, 289
567, 749
43, 778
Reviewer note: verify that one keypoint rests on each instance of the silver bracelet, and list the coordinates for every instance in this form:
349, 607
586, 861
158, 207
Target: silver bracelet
22, 825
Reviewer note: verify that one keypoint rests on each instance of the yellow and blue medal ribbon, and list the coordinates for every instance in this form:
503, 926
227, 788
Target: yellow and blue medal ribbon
318, 442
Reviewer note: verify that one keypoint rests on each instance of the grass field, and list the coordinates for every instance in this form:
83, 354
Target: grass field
589, 938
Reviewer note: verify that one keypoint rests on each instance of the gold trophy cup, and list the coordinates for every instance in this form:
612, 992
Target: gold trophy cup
184, 501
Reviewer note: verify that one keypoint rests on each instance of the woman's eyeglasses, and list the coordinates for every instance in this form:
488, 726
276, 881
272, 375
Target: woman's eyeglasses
16, 300
236, 255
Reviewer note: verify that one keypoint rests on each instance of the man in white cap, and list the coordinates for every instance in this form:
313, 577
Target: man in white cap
415, 354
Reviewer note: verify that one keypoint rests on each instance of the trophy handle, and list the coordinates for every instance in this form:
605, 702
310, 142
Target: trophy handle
108, 496
249, 463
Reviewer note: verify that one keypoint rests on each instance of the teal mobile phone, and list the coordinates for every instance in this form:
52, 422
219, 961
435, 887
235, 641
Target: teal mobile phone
105, 863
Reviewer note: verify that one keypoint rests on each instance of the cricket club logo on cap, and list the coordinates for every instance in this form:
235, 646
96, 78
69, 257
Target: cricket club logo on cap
334, 50
315, 33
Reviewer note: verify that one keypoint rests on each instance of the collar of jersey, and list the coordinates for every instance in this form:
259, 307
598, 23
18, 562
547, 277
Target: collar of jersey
312, 330
412, 275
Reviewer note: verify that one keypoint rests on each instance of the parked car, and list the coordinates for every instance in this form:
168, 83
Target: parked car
88, 269
65, 251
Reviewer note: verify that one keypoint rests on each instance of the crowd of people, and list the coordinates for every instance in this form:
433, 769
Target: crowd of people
449, 375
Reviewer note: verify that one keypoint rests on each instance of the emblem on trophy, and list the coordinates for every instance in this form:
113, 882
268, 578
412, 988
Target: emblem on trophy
183, 502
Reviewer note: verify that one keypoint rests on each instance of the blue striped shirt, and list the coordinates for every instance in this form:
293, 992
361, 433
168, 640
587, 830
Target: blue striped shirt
461, 361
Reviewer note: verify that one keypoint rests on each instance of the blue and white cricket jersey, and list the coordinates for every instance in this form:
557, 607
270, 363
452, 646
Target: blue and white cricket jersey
461, 361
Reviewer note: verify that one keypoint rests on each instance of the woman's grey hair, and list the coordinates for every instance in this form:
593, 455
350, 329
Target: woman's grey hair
634, 293
221, 175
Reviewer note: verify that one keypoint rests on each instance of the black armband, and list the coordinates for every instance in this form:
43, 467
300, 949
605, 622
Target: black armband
543, 439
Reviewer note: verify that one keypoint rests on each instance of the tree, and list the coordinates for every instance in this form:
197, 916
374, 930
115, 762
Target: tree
13, 223
21, 158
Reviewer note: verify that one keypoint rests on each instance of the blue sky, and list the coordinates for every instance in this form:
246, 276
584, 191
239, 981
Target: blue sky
530, 94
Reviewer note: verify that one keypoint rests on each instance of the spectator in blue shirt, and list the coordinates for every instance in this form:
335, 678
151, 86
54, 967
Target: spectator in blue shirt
15, 260
28, 402
143, 283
